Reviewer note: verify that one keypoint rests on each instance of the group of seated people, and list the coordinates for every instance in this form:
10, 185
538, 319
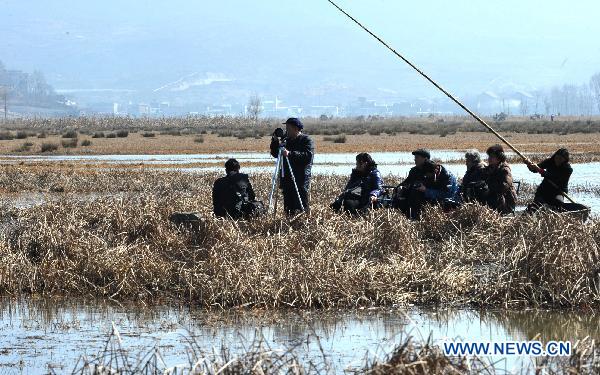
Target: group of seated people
428, 182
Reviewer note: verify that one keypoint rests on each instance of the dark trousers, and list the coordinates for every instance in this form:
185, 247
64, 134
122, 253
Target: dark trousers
291, 204
411, 203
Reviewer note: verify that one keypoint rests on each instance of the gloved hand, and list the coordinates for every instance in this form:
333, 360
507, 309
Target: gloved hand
534, 168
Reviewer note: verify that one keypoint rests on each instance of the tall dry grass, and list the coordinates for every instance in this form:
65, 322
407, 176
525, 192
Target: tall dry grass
118, 243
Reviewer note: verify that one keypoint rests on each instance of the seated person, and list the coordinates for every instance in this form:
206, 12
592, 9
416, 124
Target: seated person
416, 172
556, 171
501, 196
473, 187
363, 188
233, 195
437, 187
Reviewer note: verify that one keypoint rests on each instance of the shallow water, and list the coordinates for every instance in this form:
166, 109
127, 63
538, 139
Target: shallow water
393, 163
42, 333
320, 158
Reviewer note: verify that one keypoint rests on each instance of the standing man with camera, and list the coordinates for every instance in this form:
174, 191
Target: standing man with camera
299, 150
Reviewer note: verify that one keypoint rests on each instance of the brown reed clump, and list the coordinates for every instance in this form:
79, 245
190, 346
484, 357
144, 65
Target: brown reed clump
411, 357
115, 241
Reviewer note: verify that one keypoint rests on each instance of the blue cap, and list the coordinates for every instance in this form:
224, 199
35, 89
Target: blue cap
294, 121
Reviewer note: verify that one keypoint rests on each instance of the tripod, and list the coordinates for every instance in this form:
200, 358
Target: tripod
279, 173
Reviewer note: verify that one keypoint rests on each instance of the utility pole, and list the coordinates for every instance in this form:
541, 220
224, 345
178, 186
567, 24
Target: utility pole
5, 95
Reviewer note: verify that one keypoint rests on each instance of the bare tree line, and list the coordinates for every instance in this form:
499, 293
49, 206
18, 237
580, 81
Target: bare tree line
569, 99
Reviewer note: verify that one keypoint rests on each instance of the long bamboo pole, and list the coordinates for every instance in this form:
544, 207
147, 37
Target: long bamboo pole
448, 94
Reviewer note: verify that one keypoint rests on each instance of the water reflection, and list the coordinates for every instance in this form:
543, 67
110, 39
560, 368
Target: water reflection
36, 333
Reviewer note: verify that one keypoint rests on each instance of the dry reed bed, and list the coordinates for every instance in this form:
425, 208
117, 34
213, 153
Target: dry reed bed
358, 125
123, 247
85, 179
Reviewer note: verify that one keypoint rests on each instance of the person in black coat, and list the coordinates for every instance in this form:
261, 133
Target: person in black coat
299, 149
416, 175
556, 171
501, 194
405, 195
363, 188
473, 187
230, 192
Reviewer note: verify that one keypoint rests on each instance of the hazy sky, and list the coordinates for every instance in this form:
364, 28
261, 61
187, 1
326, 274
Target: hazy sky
469, 46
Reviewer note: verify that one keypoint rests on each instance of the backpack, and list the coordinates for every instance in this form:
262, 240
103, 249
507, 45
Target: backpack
477, 191
241, 206
253, 208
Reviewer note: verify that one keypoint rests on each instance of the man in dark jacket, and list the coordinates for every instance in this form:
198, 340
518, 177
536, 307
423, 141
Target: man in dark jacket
438, 186
406, 196
439, 183
230, 193
299, 149
416, 174
473, 187
556, 171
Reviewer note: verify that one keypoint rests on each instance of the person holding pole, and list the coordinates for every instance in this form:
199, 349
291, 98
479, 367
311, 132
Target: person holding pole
297, 149
556, 171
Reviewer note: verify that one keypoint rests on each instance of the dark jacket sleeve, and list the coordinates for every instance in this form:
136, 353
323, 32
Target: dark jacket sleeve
410, 179
507, 180
250, 190
353, 180
304, 152
217, 199
566, 176
376, 183
546, 163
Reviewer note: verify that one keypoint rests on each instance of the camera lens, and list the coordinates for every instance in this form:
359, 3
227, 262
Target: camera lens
278, 133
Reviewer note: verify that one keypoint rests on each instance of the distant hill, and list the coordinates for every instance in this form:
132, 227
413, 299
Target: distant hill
30, 94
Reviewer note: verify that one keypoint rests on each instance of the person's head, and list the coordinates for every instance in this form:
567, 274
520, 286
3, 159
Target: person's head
421, 156
365, 163
232, 165
496, 155
293, 127
472, 158
561, 156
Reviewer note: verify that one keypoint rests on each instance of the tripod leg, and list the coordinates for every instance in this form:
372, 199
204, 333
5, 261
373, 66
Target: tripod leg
276, 195
294, 181
274, 180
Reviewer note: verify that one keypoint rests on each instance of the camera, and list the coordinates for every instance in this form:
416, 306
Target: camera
279, 133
